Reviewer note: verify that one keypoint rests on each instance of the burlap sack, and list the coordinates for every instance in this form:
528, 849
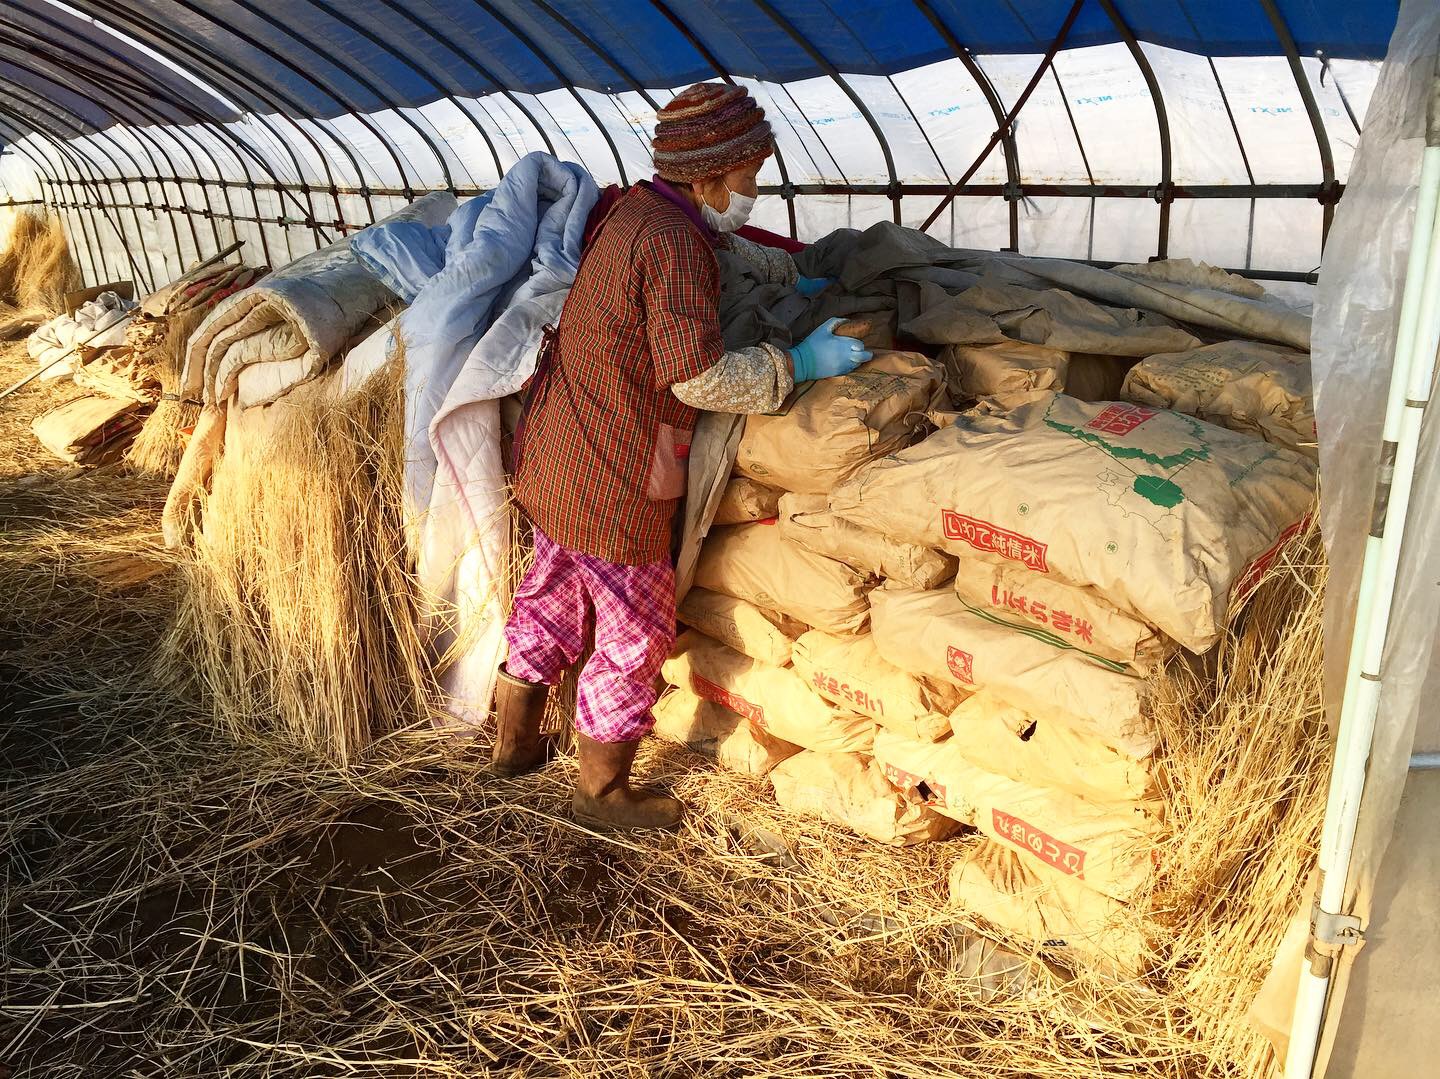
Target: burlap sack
1044, 750
1109, 849
717, 732
982, 370
757, 564
850, 672
89, 430
1078, 617
758, 633
1161, 513
934, 634
876, 329
1263, 390
848, 789
1080, 927
775, 699
830, 427
745, 500
807, 520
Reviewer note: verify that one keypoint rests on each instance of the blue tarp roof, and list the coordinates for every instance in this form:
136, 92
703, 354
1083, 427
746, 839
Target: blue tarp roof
318, 58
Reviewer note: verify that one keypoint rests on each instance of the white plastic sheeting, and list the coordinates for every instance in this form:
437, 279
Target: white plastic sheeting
1354, 334
1091, 120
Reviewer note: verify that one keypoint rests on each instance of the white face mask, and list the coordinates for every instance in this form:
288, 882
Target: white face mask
735, 215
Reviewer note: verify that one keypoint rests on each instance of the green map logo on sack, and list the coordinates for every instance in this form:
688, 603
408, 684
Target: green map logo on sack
993, 539
962, 664
1055, 852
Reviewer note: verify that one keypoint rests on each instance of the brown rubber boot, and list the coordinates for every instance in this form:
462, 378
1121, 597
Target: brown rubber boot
604, 798
519, 710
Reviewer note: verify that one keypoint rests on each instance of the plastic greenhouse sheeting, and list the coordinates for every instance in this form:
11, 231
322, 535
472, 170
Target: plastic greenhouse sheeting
1354, 335
1193, 138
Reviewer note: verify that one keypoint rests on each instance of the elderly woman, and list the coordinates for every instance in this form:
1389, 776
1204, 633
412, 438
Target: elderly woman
606, 435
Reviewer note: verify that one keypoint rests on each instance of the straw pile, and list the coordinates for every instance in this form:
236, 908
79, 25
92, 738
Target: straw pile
300, 619
161, 442
36, 271
184, 903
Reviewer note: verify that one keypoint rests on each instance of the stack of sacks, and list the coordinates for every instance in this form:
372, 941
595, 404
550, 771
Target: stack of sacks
774, 699
781, 608
1091, 539
1078, 925
715, 731
757, 564
745, 500
806, 520
829, 428
1160, 515
1003, 338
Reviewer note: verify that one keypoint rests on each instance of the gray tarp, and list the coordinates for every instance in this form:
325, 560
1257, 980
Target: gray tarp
887, 266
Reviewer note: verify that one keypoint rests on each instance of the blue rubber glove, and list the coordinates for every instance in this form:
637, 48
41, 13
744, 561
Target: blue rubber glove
812, 286
823, 354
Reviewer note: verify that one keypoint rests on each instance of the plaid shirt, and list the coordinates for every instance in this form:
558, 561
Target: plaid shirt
643, 315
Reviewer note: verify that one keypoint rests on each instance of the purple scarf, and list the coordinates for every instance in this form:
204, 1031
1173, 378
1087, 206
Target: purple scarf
661, 187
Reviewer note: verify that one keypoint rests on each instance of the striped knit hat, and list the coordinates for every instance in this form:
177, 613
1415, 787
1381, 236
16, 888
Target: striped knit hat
707, 130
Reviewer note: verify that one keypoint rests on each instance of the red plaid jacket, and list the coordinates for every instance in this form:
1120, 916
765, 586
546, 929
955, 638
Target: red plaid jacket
643, 315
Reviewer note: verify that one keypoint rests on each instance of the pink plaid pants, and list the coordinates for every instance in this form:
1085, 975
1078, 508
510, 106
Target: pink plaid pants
633, 608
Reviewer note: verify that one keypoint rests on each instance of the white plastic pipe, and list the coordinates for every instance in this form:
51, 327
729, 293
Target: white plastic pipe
1417, 339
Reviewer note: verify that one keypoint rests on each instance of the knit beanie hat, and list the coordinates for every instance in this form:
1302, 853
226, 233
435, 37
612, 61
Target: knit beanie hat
707, 130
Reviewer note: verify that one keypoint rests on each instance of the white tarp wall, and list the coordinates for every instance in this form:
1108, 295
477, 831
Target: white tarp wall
1090, 121
1356, 320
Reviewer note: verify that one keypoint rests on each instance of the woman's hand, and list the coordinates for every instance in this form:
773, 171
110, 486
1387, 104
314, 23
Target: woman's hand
823, 354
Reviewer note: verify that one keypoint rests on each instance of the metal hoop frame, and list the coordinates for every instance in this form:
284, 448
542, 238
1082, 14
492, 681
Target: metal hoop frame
80, 167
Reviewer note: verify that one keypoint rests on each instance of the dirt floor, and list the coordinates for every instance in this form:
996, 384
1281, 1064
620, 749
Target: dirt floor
176, 904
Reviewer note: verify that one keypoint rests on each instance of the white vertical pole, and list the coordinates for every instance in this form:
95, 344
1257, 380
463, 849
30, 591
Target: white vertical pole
1417, 340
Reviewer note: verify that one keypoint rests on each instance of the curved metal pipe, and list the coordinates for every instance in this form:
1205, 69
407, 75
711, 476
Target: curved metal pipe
474, 65
1312, 110
122, 78
354, 109
66, 150
75, 67
47, 77
997, 110
16, 142
43, 130
1044, 66
1164, 194
113, 78
216, 67
528, 42
849, 91
420, 72
109, 82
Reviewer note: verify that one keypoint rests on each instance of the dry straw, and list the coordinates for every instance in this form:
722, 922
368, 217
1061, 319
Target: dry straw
161, 442
187, 903
300, 617
36, 271
189, 897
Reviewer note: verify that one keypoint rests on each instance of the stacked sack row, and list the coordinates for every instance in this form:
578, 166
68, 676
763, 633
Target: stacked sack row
911, 632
